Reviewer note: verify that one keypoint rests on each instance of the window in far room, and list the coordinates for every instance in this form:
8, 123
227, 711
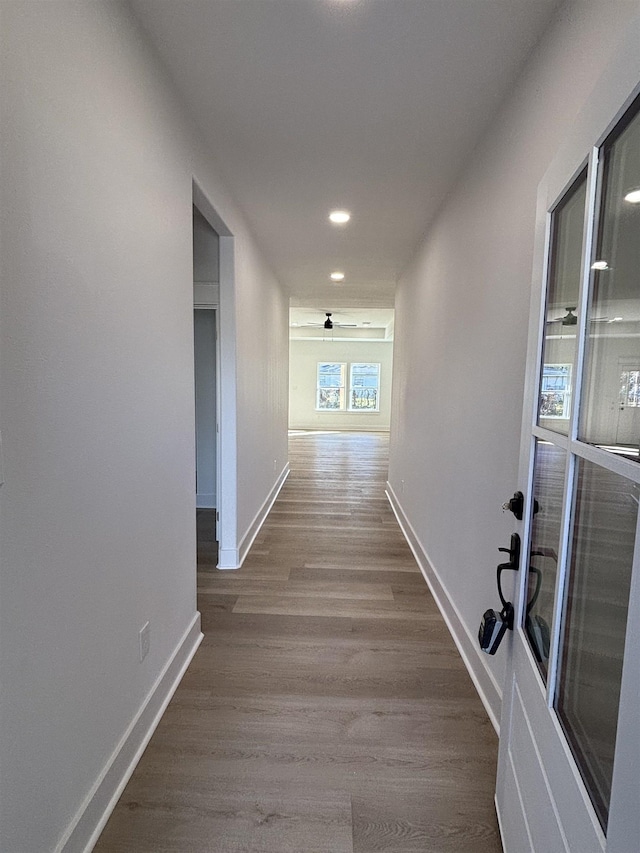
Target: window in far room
364, 394
330, 392
555, 391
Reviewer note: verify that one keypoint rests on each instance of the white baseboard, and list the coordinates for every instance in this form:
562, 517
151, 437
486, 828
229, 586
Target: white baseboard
485, 683
228, 559
233, 558
85, 829
261, 516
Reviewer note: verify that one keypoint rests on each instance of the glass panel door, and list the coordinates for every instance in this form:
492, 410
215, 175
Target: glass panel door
570, 732
585, 488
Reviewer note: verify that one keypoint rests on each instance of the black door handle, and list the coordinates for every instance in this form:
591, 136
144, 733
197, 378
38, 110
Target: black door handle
514, 554
494, 625
513, 565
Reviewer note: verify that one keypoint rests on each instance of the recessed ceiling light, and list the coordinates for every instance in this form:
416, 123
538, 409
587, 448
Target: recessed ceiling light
599, 265
337, 276
339, 217
633, 196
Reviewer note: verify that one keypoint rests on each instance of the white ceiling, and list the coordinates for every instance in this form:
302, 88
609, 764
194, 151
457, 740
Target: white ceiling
370, 105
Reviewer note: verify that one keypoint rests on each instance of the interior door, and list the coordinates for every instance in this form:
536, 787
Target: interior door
628, 427
570, 732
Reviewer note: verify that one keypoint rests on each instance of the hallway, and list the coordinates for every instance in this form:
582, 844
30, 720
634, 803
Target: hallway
327, 709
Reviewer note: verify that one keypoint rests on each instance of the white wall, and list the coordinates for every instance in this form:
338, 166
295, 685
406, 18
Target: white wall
96, 405
304, 356
461, 331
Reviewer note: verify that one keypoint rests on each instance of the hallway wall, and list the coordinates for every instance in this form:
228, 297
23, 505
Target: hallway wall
461, 331
97, 511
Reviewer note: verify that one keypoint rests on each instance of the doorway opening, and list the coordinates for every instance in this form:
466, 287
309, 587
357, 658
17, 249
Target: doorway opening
206, 297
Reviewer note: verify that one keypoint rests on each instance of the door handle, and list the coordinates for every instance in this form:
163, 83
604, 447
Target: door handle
513, 565
514, 555
494, 625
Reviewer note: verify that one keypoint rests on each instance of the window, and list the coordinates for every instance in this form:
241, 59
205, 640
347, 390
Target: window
365, 387
630, 388
363, 392
330, 394
555, 391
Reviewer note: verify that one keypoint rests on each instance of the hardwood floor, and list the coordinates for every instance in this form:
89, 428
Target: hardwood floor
327, 710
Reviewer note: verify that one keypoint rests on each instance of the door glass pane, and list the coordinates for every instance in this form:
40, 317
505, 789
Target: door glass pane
548, 490
610, 416
606, 508
558, 353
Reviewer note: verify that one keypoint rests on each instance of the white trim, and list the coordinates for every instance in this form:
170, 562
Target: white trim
228, 558
84, 830
234, 558
482, 677
205, 501
226, 385
206, 294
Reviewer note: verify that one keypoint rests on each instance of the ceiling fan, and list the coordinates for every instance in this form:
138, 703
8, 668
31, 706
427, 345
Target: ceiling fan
329, 324
570, 319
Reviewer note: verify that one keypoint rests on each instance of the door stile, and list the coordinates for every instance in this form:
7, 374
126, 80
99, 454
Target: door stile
594, 188
564, 556
532, 385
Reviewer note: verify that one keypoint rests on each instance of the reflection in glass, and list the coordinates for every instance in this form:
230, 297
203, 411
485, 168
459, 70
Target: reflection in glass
606, 508
559, 346
611, 416
548, 487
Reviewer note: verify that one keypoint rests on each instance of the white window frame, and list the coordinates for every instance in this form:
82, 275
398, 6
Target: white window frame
342, 388
563, 393
354, 388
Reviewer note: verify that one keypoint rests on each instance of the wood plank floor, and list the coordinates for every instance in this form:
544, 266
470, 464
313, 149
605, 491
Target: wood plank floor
327, 710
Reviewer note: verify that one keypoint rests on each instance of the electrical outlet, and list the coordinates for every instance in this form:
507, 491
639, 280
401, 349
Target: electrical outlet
145, 641
275, 464
401, 487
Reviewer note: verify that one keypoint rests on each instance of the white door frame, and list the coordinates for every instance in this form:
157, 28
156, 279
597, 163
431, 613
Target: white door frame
227, 475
